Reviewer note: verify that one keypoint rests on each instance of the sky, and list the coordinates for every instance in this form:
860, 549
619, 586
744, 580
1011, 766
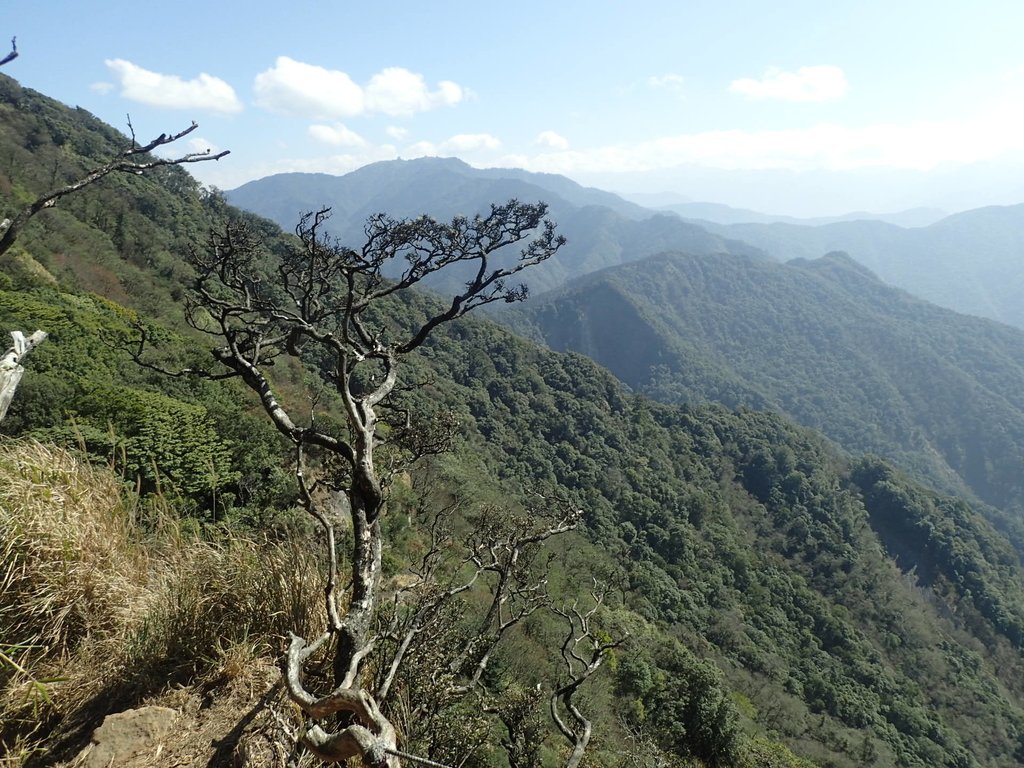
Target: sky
798, 108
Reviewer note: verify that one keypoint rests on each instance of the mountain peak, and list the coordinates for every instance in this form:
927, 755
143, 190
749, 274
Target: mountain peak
836, 263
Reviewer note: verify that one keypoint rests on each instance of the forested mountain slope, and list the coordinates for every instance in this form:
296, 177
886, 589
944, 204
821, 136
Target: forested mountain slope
733, 531
971, 261
603, 230
824, 341
778, 591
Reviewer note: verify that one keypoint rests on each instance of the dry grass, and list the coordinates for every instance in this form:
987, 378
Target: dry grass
97, 610
74, 572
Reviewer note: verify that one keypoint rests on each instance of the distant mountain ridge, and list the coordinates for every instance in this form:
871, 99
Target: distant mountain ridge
972, 262
603, 230
360, 192
719, 213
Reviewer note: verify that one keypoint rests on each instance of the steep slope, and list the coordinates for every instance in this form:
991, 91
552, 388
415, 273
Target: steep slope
603, 230
748, 536
971, 262
824, 341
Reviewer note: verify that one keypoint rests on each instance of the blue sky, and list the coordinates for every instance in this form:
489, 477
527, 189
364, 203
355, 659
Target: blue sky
792, 107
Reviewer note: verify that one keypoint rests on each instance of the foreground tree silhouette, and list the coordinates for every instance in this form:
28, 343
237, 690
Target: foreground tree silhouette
322, 306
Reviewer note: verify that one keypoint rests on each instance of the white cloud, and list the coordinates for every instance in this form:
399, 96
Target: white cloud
819, 83
170, 91
920, 145
199, 145
420, 149
551, 140
102, 88
399, 92
396, 133
668, 82
458, 144
295, 88
337, 134
469, 142
307, 90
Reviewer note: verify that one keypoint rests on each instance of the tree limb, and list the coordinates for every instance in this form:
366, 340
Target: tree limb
13, 54
132, 159
579, 669
11, 369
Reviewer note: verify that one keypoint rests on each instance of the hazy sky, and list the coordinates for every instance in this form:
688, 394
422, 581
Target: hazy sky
792, 107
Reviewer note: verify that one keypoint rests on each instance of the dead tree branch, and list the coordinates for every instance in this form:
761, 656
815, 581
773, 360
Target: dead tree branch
504, 548
13, 54
583, 652
11, 369
134, 158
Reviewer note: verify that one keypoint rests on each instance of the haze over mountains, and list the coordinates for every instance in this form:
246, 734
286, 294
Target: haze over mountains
720, 213
972, 262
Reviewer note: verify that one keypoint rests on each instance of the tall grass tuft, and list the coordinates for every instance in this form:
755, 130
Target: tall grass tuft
106, 599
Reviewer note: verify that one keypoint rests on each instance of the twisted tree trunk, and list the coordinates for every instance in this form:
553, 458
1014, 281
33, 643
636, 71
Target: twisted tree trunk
11, 369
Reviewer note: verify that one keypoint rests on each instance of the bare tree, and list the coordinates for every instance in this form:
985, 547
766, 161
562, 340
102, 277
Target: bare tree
133, 158
324, 305
11, 369
583, 651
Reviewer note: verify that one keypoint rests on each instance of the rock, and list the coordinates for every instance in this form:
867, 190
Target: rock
135, 737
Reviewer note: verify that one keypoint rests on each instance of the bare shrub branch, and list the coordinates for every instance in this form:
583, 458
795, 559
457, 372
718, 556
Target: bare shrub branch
583, 651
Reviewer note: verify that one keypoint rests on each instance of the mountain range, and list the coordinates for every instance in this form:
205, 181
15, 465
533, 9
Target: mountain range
971, 261
822, 340
603, 230
790, 603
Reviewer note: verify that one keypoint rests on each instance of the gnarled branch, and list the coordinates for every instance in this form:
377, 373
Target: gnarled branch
134, 158
11, 369
583, 651
13, 54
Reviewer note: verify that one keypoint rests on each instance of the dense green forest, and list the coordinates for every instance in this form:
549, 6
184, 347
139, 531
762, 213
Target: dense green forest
784, 601
824, 341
